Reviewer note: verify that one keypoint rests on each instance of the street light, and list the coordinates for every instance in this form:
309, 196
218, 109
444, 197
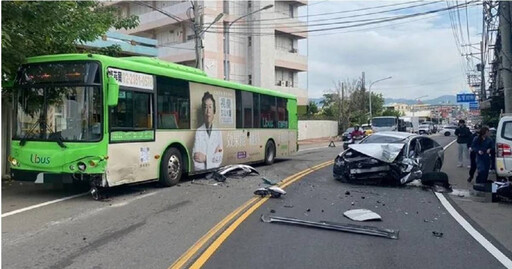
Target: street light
370, 93
418, 100
226, 39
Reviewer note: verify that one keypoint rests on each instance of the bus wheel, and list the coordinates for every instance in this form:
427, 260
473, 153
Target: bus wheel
270, 153
171, 168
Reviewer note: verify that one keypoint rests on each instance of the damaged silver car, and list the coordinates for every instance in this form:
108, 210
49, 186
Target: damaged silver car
396, 156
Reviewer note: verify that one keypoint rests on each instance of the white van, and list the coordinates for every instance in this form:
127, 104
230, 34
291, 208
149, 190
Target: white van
504, 147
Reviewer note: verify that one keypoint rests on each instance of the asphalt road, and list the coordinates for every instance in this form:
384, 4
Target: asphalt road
412, 210
146, 226
141, 226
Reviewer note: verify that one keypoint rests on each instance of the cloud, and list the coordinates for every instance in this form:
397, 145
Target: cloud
421, 54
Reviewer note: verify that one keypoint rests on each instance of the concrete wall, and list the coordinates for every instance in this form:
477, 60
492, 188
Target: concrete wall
317, 128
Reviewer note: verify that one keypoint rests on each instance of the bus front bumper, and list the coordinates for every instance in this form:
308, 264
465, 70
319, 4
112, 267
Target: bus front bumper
45, 177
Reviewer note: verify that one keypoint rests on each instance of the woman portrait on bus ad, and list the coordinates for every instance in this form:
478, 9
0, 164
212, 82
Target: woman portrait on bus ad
208, 150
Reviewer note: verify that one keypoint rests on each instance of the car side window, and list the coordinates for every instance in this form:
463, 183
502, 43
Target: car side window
426, 144
414, 148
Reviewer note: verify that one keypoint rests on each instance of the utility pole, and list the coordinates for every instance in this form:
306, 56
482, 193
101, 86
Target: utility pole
506, 69
198, 25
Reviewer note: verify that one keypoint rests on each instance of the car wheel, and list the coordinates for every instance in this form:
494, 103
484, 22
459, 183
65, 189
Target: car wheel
270, 153
447, 134
171, 168
438, 166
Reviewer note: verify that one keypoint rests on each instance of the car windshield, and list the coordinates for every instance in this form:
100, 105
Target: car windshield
383, 122
349, 130
384, 139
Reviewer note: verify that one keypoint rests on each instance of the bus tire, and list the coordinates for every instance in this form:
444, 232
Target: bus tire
270, 152
171, 168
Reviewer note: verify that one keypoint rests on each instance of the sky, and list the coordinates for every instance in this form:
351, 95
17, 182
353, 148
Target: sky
420, 53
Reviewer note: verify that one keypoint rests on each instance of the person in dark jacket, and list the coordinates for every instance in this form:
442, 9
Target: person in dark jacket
463, 135
482, 145
472, 154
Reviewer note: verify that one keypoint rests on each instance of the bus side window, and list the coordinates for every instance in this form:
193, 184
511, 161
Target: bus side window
173, 105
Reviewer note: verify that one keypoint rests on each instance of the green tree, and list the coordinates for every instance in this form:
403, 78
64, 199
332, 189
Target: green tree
389, 112
52, 27
312, 108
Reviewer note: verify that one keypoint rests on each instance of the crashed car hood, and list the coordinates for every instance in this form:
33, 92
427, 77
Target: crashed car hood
382, 152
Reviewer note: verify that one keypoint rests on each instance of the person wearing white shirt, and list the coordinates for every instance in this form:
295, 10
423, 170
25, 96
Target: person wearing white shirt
208, 150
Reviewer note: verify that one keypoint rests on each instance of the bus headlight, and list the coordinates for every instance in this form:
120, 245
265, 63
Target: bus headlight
81, 166
14, 162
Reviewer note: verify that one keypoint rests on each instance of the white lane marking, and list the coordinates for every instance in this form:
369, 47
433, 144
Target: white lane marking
474, 233
42, 204
449, 144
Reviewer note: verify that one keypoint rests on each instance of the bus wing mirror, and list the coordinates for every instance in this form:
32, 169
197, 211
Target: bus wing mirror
112, 92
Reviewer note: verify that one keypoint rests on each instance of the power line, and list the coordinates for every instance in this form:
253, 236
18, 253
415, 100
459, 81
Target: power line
377, 21
300, 23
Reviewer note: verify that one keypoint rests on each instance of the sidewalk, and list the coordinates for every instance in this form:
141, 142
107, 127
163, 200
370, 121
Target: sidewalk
319, 143
494, 218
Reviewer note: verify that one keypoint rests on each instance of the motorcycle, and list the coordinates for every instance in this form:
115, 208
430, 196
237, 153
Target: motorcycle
353, 140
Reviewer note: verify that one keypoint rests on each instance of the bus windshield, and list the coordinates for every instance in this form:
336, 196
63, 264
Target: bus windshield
383, 122
45, 110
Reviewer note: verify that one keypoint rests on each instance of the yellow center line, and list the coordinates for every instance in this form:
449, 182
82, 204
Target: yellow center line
218, 242
183, 259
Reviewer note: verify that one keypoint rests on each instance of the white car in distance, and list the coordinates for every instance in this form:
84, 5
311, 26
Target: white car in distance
448, 130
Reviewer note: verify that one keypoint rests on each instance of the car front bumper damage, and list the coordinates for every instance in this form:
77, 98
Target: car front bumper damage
375, 161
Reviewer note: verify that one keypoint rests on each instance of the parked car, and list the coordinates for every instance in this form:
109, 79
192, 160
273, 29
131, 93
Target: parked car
399, 156
425, 129
448, 130
346, 135
504, 147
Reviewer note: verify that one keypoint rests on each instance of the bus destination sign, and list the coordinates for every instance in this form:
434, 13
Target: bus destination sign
132, 79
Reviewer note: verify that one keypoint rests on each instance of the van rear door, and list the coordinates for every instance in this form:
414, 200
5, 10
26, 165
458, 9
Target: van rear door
504, 147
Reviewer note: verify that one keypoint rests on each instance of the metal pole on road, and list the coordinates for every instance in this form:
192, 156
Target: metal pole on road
226, 39
370, 93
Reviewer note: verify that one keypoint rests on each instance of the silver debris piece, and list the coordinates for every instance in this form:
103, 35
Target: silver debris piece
351, 228
273, 191
246, 168
361, 215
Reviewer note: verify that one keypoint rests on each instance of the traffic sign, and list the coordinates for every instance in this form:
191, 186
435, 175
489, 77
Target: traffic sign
474, 106
466, 97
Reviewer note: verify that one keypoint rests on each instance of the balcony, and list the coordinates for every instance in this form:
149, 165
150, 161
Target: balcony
291, 60
288, 25
155, 19
302, 94
299, 2
177, 53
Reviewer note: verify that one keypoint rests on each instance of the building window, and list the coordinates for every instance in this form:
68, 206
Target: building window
173, 103
249, 79
249, 4
249, 41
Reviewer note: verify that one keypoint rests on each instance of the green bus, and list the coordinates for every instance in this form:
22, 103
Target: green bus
114, 121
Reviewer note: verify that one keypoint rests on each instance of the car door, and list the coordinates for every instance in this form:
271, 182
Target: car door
428, 154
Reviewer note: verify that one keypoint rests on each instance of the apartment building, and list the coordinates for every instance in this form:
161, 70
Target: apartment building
254, 42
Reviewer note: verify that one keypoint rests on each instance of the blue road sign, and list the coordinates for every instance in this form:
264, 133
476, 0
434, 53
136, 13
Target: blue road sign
474, 106
466, 97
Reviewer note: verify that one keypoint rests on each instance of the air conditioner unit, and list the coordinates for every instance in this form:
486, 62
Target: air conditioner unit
288, 84
282, 83
278, 83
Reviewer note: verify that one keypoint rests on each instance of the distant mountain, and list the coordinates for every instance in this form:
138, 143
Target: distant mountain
450, 99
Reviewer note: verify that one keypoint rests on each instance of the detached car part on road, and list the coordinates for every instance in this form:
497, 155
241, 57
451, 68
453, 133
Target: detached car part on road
400, 157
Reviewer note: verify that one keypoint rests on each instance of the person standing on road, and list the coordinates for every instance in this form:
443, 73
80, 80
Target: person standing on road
472, 154
482, 145
463, 139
